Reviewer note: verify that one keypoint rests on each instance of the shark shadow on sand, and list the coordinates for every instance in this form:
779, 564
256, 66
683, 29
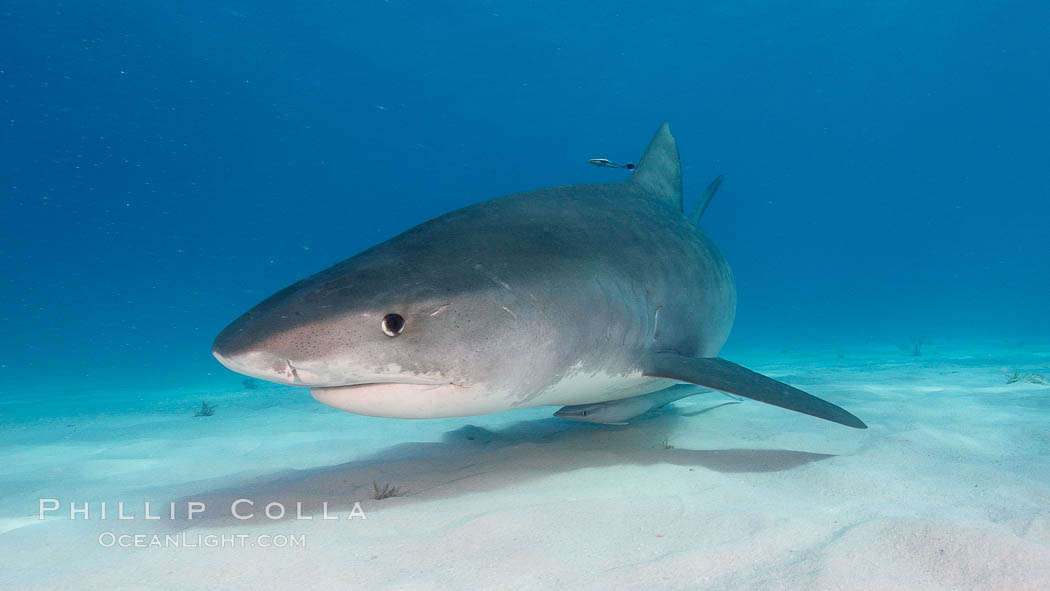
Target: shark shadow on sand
473, 459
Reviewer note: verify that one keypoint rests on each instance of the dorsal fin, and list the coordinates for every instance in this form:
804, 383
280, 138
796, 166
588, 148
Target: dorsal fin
705, 200
659, 171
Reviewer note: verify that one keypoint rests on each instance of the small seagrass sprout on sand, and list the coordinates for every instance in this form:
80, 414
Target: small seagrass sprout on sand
205, 410
1028, 377
386, 491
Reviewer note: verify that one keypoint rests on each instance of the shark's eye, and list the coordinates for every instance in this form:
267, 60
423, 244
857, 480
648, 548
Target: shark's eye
393, 324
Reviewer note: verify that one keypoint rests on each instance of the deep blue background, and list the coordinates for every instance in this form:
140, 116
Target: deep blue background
166, 167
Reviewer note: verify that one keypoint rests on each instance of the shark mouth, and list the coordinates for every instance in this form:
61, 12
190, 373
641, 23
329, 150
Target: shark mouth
403, 400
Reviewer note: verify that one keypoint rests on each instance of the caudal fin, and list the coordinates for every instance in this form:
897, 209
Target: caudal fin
705, 200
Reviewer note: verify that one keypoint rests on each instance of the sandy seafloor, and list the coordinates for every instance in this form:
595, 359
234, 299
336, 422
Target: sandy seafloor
948, 489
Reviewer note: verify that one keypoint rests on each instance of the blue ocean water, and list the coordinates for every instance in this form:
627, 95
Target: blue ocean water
166, 166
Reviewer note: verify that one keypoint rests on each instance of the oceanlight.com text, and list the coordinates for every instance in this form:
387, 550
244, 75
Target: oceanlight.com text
185, 540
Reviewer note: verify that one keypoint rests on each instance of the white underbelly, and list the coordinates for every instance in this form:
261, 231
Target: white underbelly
421, 401
584, 388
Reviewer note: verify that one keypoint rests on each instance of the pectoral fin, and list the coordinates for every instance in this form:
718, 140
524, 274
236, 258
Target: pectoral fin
717, 373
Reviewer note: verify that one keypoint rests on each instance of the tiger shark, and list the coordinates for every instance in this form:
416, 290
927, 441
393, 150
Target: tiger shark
560, 296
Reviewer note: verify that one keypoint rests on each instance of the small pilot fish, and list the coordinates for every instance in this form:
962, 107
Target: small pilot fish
606, 163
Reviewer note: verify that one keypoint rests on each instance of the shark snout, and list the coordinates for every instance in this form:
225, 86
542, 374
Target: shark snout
259, 364
252, 352
239, 349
